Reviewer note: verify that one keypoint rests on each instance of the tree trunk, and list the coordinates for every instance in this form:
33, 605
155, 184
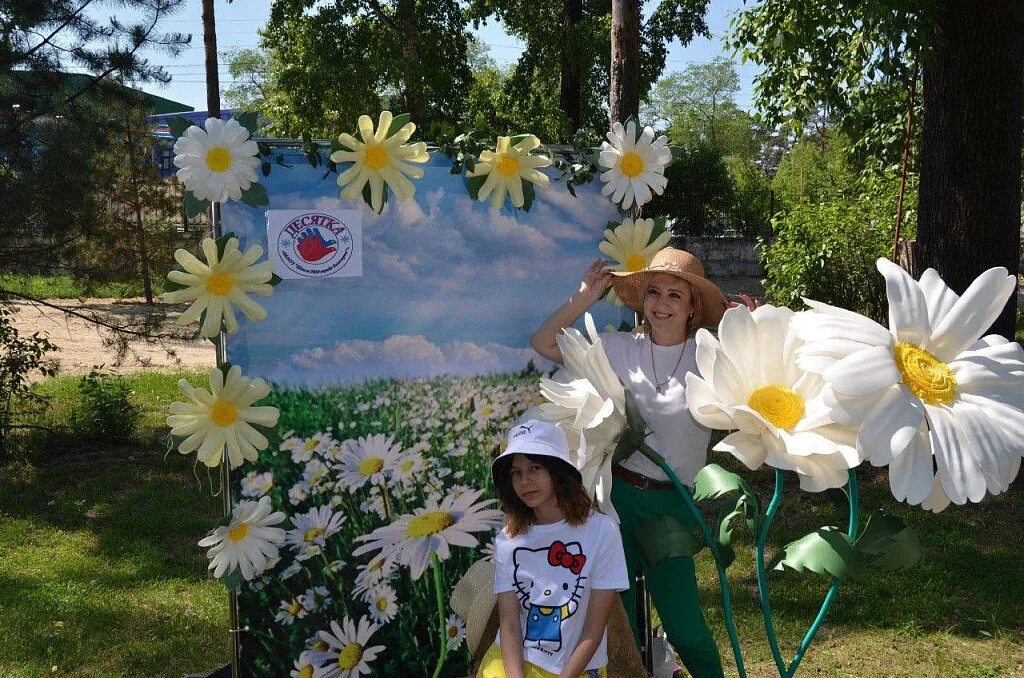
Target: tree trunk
969, 200
412, 93
210, 51
139, 225
624, 94
570, 96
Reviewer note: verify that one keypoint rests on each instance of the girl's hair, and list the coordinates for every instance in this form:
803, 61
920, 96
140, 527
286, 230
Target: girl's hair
695, 322
573, 500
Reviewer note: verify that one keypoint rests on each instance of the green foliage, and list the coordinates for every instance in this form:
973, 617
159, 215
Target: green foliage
827, 250
816, 169
851, 58
699, 191
751, 209
20, 359
106, 410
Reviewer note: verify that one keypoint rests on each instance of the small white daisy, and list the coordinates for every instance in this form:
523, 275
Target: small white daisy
455, 631
247, 542
257, 484
382, 602
311, 529
289, 611
347, 655
316, 599
367, 460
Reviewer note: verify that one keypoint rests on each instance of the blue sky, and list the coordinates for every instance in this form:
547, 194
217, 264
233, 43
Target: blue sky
238, 22
449, 285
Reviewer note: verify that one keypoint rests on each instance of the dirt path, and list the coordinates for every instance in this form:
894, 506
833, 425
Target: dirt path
81, 343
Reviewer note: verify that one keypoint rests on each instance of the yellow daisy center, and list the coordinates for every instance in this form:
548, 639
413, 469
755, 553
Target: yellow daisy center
376, 157
309, 445
350, 656
428, 524
218, 159
239, 533
407, 465
382, 603
306, 671
294, 608
368, 467
926, 376
486, 411
635, 262
507, 165
632, 165
312, 533
453, 631
219, 284
321, 646
223, 413
779, 405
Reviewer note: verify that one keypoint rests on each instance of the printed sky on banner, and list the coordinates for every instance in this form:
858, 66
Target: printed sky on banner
449, 285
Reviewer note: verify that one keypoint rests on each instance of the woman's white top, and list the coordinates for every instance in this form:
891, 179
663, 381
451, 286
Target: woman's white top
675, 434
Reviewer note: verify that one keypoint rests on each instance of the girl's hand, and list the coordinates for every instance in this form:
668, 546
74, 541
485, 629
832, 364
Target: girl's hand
595, 281
750, 302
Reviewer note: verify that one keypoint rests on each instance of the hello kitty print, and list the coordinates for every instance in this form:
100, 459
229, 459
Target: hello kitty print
549, 582
551, 570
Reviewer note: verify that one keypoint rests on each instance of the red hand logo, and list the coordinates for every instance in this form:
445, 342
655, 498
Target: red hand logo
312, 246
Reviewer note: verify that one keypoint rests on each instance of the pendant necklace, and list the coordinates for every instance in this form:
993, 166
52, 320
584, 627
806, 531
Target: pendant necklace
659, 385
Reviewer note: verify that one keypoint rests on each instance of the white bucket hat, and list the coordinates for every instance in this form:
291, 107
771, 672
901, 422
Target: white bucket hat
538, 438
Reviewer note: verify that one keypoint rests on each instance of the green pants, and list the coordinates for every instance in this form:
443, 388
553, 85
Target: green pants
672, 583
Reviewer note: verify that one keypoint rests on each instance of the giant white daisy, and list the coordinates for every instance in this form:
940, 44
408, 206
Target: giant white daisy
634, 166
220, 284
936, 401
630, 245
222, 417
311, 531
347, 655
379, 159
367, 460
507, 167
587, 401
436, 527
217, 163
247, 542
749, 380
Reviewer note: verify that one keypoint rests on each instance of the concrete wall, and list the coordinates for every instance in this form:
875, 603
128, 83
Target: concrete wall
731, 262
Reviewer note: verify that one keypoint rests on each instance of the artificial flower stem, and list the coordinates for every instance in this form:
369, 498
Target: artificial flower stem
762, 580
723, 580
436, 566
851, 532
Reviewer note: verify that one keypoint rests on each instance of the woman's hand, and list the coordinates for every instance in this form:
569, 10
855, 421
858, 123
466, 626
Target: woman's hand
750, 302
596, 280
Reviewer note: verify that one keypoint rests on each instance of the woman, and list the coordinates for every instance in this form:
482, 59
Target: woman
676, 300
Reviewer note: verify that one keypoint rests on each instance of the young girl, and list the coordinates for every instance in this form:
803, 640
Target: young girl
558, 563
676, 300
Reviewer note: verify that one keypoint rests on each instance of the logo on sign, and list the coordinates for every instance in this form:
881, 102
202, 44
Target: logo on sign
315, 245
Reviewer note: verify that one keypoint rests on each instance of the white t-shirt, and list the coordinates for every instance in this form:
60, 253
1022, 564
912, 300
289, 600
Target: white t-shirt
675, 434
553, 568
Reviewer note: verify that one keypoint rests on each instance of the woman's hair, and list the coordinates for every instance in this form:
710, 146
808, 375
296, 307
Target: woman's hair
573, 500
695, 322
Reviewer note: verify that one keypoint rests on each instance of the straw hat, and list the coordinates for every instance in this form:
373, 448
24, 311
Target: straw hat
630, 286
473, 599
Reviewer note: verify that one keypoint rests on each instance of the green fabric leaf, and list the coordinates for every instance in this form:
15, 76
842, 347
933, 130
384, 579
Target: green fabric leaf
367, 198
713, 482
224, 368
625, 327
232, 579
222, 242
275, 279
255, 195
398, 122
665, 537
633, 414
827, 550
178, 125
629, 442
474, 184
265, 168
249, 121
193, 206
529, 194
518, 139
888, 543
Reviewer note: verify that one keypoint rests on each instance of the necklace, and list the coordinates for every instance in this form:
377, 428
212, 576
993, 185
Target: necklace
659, 385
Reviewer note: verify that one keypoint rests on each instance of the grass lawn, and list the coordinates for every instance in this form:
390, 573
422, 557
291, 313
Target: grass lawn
100, 574
66, 287
99, 571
